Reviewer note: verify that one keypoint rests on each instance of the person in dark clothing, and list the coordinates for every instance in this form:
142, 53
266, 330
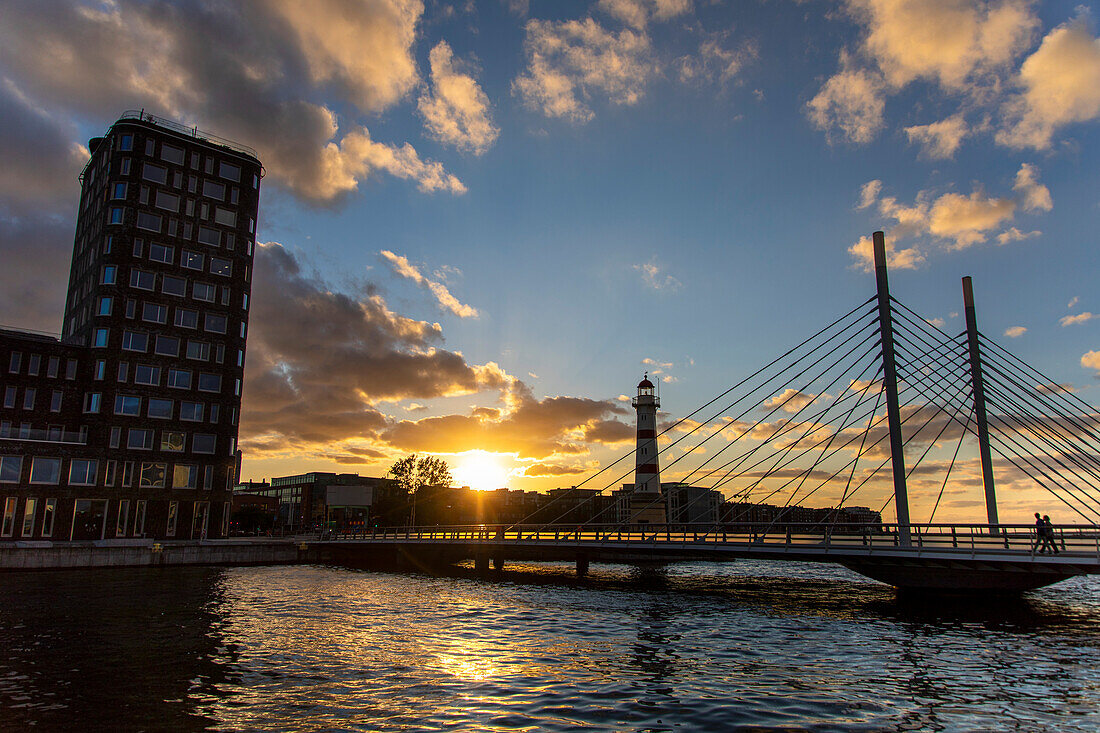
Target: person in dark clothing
1048, 535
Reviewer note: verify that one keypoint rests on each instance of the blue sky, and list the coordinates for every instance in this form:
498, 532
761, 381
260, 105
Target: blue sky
569, 189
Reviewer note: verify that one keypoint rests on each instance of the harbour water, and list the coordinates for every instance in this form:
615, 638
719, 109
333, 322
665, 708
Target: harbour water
744, 646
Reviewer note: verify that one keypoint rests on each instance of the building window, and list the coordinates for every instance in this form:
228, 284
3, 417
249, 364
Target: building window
118, 191
123, 517
139, 247
202, 443
82, 472
225, 217
127, 474
160, 408
244, 301
131, 308
152, 475
11, 469
168, 346
109, 274
150, 146
174, 285
100, 372
151, 222
191, 260
45, 470
161, 253
9, 397
179, 378
92, 402
139, 518
118, 213
198, 350
209, 236
173, 515
210, 382
204, 292
186, 318
116, 437
126, 142
34, 363
124, 167
230, 171
123, 371
30, 507
111, 474
135, 341
100, 337
146, 374
139, 439
215, 323
168, 201
9, 517
208, 480
185, 477
172, 440
55, 400
218, 266
107, 242
70, 369
154, 313
155, 173
214, 190
127, 405
51, 367
171, 153
48, 513
143, 280
191, 411
105, 304
28, 398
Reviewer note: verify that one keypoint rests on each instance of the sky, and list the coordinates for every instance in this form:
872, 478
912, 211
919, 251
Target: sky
482, 222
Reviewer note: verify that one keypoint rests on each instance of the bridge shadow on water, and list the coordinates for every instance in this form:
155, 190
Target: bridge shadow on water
796, 589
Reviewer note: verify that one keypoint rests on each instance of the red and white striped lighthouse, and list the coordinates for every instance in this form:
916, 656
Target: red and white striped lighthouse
647, 473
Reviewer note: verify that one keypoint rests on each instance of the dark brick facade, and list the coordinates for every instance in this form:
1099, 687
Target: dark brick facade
133, 433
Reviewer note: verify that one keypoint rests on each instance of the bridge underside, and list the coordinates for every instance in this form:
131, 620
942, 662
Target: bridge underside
941, 571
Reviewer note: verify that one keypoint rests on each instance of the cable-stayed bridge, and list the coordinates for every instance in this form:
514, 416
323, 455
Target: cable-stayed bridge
878, 406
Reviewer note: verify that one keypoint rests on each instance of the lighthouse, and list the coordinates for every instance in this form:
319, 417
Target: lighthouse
644, 501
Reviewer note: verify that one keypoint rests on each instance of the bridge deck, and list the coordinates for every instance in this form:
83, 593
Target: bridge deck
961, 556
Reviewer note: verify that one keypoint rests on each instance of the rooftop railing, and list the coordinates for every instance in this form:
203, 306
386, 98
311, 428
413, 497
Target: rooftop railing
195, 132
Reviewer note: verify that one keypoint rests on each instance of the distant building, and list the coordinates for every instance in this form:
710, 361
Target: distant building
125, 425
309, 501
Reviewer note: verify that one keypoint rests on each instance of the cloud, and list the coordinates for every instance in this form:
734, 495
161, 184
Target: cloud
653, 277
319, 361
571, 62
1077, 318
1012, 234
252, 71
1060, 85
456, 110
532, 428
41, 163
715, 62
1015, 332
967, 219
868, 193
638, 13
939, 140
791, 400
1055, 388
1034, 196
1072, 302
955, 44
32, 295
1091, 360
554, 469
404, 268
908, 258
519, 7
850, 105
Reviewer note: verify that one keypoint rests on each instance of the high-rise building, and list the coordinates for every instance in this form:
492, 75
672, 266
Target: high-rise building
126, 425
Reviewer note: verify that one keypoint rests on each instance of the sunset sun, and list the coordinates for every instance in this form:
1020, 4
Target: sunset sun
480, 470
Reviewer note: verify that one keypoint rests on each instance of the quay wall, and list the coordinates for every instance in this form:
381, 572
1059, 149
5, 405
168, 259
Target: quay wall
46, 555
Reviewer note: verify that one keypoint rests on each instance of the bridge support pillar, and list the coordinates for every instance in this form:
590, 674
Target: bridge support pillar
481, 562
582, 565
498, 561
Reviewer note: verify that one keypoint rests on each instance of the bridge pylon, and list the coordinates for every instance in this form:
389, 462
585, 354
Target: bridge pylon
980, 417
890, 383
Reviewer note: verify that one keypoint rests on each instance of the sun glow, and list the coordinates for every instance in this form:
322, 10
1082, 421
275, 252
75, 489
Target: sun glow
480, 470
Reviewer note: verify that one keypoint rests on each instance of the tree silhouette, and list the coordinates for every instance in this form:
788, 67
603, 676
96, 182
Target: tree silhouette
414, 473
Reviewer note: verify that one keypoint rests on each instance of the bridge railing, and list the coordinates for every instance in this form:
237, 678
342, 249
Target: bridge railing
966, 538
